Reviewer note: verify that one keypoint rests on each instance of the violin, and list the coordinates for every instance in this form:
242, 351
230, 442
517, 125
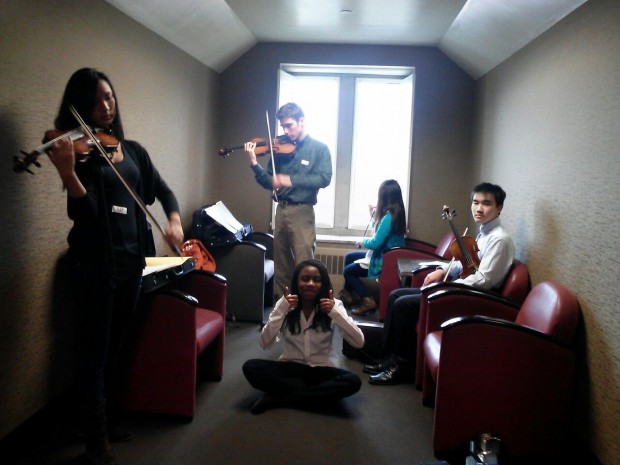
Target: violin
83, 145
463, 248
281, 146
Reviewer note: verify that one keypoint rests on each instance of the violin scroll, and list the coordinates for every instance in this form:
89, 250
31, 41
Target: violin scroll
83, 145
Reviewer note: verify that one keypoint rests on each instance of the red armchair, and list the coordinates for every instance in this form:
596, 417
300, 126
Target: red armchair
182, 337
438, 249
511, 378
459, 302
390, 278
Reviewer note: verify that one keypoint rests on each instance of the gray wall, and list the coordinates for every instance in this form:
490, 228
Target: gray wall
168, 102
548, 130
442, 125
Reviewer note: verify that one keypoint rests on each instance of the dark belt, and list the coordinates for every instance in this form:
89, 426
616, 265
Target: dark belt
285, 203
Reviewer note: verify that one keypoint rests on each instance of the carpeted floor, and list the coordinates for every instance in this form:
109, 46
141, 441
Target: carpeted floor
378, 426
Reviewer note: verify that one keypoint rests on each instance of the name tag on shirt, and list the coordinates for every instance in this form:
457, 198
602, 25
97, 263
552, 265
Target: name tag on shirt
305, 162
120, 210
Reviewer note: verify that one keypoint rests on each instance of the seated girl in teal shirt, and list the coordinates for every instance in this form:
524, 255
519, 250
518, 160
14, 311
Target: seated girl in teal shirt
390, 230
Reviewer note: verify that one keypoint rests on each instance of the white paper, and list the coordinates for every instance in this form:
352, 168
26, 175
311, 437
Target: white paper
154, 264
433, 263
222, 215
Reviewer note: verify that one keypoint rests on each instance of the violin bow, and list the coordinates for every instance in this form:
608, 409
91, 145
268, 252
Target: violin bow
273, 161
131, 192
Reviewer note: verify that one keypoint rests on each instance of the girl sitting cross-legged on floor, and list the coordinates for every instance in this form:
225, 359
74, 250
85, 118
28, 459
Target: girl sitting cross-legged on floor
308, 372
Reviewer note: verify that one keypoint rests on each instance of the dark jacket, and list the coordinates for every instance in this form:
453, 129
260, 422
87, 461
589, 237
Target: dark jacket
90, 237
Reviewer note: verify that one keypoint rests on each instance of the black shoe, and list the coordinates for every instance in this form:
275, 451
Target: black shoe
396, 374
379, 366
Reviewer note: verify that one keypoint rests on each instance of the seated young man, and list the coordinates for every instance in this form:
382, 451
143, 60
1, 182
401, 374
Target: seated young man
496, 254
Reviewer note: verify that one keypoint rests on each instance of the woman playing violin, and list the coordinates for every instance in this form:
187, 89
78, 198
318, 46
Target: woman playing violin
108, 243
295, 181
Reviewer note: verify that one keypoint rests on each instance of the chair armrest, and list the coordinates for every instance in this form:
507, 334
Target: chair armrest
504, 324
493, 376
450, 300
419, 274
188, 299
209, 289
264, 239
390, 279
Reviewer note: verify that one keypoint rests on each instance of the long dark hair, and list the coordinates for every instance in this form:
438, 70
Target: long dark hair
390, 199
81, 92
321, 320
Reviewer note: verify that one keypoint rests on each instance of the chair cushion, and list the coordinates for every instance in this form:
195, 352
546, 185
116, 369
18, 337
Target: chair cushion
209, 325
432, 347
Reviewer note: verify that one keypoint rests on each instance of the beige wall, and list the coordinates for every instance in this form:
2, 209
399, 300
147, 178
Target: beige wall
547, 129
549, 132
168, 102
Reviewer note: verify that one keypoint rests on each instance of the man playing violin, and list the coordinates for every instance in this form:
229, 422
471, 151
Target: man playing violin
496, 254
295, 182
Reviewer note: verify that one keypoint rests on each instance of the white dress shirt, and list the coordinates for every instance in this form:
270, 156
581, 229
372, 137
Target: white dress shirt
309, 346
496, 253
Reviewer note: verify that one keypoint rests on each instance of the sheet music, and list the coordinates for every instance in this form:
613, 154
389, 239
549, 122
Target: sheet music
222, 215
155, 264
433, 263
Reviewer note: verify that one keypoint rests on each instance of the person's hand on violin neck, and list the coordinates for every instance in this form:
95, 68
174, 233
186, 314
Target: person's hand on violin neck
62, 155
249, 149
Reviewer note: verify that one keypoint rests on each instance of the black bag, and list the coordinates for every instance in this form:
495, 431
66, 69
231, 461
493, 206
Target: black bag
211, 233
373, 345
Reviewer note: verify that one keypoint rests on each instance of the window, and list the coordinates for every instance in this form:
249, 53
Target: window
364, 115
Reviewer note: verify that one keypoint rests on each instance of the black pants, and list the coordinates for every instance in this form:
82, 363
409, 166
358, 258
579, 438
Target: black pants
105, 310
399, 329
301, 382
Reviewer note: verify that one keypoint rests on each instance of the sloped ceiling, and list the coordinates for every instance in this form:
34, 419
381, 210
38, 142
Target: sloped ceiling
477, 34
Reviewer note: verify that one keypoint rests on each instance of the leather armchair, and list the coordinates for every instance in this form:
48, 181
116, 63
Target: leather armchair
181, 339
266, 240
390, 278
249, 274
440, 249
511, 377
462, 300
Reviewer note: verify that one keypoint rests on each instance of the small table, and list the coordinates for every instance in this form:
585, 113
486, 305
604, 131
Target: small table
408, 266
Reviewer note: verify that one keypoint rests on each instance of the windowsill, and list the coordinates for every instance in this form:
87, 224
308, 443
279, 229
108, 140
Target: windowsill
327, 239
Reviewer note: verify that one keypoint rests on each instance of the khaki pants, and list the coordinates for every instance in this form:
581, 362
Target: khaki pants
294, 242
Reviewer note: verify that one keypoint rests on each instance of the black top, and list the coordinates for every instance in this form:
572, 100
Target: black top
96, 232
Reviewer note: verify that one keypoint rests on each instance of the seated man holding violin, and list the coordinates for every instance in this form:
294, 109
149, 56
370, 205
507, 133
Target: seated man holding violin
495, 254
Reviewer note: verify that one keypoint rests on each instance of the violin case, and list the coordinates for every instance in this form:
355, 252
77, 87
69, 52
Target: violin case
212, 234
160, 271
